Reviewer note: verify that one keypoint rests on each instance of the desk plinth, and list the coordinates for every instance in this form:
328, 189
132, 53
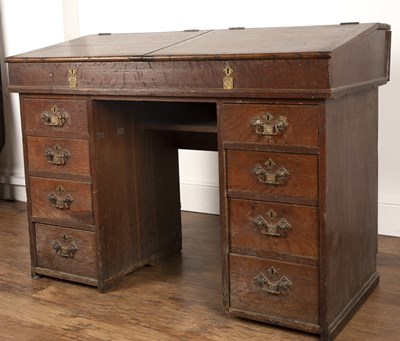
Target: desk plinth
293, 115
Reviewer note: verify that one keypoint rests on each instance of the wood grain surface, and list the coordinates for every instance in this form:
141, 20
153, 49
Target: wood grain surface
177, 300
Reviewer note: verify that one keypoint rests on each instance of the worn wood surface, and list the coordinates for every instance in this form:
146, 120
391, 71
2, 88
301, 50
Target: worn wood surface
300, 240
80, 212
352, 203
296, 62
301, 130
75, 126
301, 181
177, 300
77, 164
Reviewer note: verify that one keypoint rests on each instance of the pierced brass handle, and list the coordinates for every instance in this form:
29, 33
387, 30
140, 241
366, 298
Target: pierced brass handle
271, 225
57, 155
273, 287
55, 118
65, 247
268, 125
61, 199
271, 173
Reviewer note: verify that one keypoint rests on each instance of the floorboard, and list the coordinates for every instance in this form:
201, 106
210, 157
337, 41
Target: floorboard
177, 300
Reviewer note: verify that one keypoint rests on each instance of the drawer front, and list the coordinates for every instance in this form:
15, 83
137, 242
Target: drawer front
61, 156
292, 125
265, 229
61, 200
276, 174
276, 289
53, 117
67, 250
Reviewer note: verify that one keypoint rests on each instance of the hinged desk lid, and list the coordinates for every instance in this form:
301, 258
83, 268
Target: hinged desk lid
313, 61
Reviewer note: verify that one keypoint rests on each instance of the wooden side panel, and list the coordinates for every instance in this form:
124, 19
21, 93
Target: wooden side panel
351, 196
137, 181
365, 60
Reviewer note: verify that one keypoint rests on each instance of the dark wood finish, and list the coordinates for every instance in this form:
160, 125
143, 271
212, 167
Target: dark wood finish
78, 162
302, 129
82, 263
35, 125
351, 169
274, 62
301, 181
134, 99
300, 241
297, 307
80, 211
42, 309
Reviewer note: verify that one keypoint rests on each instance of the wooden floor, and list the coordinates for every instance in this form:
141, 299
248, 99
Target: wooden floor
178, 300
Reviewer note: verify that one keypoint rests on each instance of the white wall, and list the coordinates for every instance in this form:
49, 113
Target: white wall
199, 181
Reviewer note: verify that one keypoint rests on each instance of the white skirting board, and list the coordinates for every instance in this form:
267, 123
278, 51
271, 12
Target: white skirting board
199, 197
204, 198
389, 218
12, 188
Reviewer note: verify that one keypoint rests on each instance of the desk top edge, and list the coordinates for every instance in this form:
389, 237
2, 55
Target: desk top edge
228, 44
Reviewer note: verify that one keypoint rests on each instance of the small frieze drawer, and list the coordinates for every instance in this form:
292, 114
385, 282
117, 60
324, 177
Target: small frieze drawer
275, 174
291, 125
57, 155
67, 250
55, 116
66, 202
271, 229
272, 288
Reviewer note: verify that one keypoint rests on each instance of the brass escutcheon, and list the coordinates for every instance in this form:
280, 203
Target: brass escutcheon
273, 287
64, 246
228, 79
57, 155
55, 118
60, 199
271, 225
270, 173
72, 81
269, 126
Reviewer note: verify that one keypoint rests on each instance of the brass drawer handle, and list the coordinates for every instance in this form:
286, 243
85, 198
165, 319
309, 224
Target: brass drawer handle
57, 155
271, 225
277, 287
65, 247
61, 199
268, 125
55, 118
271, 173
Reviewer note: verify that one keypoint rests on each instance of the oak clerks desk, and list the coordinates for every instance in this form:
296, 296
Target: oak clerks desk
293, 114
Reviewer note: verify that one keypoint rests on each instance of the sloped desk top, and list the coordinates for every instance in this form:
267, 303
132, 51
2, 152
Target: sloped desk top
313, 61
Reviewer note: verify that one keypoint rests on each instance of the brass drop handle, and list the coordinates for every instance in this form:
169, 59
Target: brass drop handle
60, 199
270, 173
57, 155
269, 126
271, 225
55, 117
64, 246
271, 286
